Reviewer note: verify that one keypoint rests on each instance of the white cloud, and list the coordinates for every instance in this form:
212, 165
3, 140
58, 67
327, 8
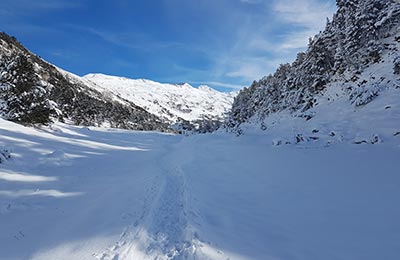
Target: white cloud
311, 14
296, 40
255, 50
252, 68
308, 16
258, 50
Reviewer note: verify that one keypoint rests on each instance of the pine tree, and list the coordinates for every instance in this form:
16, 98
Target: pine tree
24, 99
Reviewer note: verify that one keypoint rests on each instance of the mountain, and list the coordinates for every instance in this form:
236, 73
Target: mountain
174, 103
345, 85
33, 91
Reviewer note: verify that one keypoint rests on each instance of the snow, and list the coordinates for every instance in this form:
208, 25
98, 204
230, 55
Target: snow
73, 192
170, 101
347, 111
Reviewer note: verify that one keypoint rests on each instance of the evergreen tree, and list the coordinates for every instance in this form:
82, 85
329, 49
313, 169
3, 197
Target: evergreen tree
24, 99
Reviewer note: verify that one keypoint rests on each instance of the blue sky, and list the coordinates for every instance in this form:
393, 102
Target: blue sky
222, 43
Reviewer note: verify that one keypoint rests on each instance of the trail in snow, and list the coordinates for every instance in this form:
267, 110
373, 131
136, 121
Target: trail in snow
160, 231
163, 231
169, 218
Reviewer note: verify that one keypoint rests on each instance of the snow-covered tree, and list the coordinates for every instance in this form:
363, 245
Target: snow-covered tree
24, 99
351, 42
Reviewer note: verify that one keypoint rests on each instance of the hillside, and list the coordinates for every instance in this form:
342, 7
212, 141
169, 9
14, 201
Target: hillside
349, 78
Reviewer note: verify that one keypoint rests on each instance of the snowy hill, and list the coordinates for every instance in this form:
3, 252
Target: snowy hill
168, 101
345, 85
69, 192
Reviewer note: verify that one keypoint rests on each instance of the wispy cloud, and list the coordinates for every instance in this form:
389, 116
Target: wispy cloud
128, 39
252, 68
228, 51
308, 13
307, 16
258, 48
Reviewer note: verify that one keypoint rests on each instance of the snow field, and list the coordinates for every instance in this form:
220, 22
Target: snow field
90, 193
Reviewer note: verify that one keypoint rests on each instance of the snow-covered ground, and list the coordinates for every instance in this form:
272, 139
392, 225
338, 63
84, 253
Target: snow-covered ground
89, 193
336, 118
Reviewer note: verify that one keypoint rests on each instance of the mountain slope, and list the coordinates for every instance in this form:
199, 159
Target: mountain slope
346, 67
33, 91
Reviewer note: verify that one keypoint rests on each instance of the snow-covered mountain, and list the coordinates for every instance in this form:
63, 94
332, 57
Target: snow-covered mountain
33, 91
345, 85
172, 102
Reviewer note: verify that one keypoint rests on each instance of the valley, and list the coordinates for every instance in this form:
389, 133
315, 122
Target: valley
95, 193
